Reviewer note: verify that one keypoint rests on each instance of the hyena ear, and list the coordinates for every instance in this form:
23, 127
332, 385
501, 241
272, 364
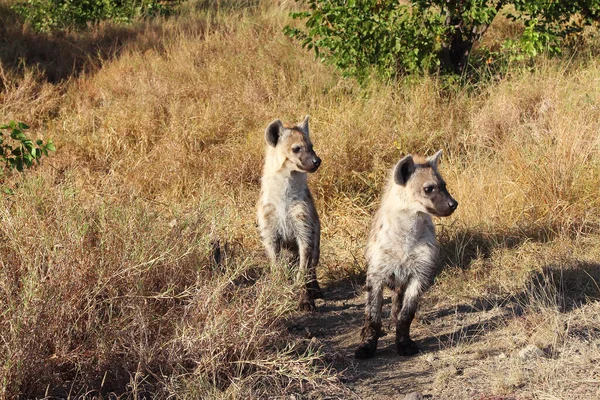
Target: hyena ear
434, 159
403, 170
273, 132
304, 125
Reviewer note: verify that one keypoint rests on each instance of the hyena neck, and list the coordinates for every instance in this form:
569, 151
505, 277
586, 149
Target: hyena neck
284, 184
402, 211
396, 201
408, 221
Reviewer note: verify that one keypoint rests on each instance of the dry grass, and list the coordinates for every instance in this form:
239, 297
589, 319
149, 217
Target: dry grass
108, 282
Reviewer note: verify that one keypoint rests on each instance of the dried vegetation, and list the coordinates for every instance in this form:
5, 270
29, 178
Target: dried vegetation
130, 262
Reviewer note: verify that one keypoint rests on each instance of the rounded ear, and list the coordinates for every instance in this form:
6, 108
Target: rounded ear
273, 132
304, 125
403, 170
434, 159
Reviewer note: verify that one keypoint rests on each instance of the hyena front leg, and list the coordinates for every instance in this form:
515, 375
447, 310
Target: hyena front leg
273, 248
403, 315
397, 301
314, 288
308, 239
305, 271
372, 328
268, 233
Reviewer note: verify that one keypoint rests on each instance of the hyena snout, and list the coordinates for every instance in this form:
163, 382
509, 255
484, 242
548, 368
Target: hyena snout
452, 204
311, 163
316, 161
445, 206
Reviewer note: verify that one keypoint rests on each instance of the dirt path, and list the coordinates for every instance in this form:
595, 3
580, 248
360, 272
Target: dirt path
438, 332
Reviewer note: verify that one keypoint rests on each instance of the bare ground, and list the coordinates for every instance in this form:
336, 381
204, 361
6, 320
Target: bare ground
459, 358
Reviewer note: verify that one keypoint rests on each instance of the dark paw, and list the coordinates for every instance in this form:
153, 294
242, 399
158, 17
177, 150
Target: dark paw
407, 348
365, 350
306, 304
307, 307
315, 290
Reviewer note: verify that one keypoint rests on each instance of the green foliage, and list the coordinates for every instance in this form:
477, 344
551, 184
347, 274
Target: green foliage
17, 150
392, 37
548, 23
358, 36
51, 15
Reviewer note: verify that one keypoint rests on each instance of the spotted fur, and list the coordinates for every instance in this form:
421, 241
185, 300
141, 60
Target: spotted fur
287, 217
402, 249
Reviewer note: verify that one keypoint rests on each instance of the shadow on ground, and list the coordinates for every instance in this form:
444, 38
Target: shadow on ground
337, 324
60, 56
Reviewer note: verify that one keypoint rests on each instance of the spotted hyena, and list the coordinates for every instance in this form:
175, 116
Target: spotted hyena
287, 217
402, 249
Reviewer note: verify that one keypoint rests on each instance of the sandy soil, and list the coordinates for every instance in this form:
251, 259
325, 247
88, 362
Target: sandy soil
335, 328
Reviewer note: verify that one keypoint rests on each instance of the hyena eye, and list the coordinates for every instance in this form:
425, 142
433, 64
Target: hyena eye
428, 189
296, 149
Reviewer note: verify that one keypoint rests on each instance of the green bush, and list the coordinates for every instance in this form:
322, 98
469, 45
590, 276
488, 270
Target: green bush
392, 37
359, 36
50, 15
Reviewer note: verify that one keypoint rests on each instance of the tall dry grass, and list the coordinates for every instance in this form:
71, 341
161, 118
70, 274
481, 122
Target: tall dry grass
109, 282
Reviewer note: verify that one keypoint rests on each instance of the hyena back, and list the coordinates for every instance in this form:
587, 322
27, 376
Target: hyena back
287, 217
402, 249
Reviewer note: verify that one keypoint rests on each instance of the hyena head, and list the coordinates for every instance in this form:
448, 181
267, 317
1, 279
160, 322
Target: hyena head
293, 146
425, 188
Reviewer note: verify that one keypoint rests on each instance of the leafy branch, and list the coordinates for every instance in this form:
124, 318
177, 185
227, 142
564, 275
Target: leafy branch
17, 150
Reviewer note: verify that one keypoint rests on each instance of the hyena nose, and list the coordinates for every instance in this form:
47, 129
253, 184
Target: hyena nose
453, 204
316, 161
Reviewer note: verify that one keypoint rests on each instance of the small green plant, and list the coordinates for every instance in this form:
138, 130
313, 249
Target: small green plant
52, 15
17, 150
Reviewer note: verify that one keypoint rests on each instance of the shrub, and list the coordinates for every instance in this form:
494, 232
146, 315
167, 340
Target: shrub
50, 15
395, 37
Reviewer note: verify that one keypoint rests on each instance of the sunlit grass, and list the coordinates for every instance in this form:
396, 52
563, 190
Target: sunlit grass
108, 278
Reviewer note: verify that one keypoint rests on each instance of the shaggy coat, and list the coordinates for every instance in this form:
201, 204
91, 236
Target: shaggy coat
287, 217
402, 249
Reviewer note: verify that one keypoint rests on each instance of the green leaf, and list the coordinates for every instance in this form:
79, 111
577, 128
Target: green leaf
50, 145
28, 159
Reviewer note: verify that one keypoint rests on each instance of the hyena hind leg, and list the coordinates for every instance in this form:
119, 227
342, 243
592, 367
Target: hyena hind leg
313, 284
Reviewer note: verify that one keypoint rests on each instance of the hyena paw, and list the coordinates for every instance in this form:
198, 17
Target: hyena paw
314, 290
407, 348
316, 293
365, 350
306, 303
